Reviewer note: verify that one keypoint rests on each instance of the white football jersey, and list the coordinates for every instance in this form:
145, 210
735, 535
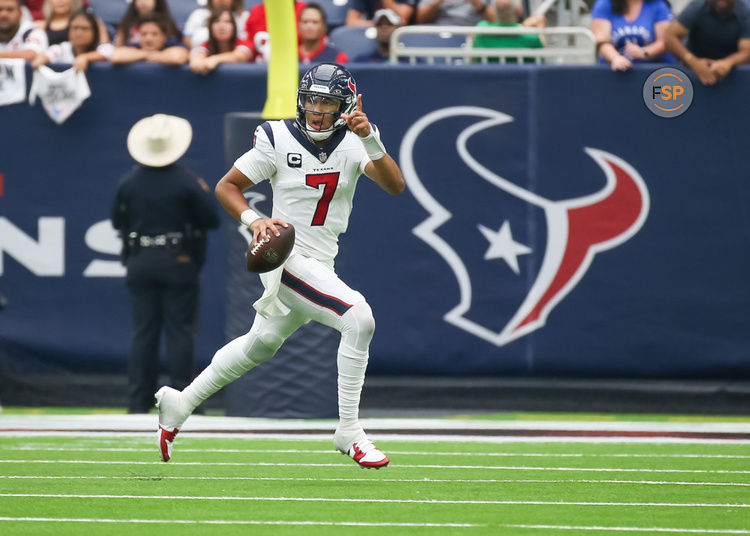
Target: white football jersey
28, 37
313, 187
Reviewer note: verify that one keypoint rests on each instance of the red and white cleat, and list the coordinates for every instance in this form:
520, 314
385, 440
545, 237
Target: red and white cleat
171, 417
164, 440
361, 450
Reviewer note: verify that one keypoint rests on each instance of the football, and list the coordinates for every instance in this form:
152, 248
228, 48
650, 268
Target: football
271, 251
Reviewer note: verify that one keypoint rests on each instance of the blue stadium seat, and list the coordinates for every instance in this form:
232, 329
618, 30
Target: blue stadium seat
354, 40
335, 12
443, 39
110, 11
249, 4
181, 10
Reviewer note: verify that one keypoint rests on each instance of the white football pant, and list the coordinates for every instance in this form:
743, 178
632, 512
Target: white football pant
313, 292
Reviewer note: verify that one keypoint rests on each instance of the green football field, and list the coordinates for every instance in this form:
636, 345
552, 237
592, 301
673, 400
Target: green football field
115, 484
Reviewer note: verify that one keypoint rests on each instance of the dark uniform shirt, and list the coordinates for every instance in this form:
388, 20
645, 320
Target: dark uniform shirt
152, 201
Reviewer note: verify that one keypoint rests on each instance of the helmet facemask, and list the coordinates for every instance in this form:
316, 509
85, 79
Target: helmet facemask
323, 106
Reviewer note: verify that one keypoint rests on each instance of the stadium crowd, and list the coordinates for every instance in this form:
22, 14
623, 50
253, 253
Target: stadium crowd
708, 36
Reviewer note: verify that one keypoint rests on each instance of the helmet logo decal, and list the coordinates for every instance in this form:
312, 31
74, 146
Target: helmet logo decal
352, 85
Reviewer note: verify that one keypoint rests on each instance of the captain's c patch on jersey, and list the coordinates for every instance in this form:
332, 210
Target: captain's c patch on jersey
294, 160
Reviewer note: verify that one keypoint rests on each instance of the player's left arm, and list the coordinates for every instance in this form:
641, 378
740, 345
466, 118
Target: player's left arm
382, 168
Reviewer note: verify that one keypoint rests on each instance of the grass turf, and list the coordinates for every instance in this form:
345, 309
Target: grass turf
251, 486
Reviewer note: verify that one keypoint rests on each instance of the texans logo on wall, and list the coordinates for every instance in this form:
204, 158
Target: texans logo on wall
517, 254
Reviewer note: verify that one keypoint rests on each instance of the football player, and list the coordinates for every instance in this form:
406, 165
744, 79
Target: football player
313, 164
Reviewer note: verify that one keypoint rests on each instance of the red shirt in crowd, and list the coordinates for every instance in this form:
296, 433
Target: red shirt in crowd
257, 28
242, 44
323, 54
35, 6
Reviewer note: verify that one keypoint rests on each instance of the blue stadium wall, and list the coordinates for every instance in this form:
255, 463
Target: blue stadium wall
552, 226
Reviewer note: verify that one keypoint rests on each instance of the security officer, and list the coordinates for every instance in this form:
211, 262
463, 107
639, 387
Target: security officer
162, 210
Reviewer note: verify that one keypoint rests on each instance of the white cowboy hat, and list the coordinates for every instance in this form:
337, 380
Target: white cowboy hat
159, 140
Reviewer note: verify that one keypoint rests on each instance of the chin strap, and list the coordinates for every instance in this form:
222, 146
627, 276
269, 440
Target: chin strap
315, 135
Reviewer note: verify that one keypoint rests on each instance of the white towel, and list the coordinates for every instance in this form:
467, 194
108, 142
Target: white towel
61, 93
269, 303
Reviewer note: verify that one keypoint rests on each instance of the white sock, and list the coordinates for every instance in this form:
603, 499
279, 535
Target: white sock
352, 364
357, 330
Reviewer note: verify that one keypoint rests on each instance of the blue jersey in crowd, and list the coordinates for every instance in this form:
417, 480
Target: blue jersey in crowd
641, 30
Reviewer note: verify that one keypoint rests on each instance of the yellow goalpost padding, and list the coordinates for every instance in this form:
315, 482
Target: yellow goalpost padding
283, 71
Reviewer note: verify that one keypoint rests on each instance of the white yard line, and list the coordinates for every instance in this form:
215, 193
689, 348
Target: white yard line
233, 522
408, 425
404, 480
379, 501
366, 524
390, 468
379, 436
630, 529
400, 452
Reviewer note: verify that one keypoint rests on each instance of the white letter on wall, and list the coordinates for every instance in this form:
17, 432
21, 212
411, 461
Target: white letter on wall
102, 238
45, 257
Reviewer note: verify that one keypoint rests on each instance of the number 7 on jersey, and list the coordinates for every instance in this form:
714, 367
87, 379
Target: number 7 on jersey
330, 182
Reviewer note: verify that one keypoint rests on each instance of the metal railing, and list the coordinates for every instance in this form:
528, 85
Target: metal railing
563, 45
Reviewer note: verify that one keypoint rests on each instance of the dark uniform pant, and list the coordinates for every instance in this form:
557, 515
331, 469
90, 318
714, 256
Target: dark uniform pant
164, 297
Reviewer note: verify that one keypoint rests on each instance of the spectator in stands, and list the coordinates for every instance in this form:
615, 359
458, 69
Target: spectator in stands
386, 21
313, 30
128, 31
19, 39
195, 31
257, 30
82, 47
362, 12
57, 15
56, 19
507, 14
155, 45
223, 45
718, 37
629, 31
453, 12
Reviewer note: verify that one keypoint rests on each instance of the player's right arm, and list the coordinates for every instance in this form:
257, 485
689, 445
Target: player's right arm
251, 168
229, 192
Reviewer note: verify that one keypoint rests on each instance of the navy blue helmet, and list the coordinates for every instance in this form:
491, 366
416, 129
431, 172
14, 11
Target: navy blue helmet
332, 81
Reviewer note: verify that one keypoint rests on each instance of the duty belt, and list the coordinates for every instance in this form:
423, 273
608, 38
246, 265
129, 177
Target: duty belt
156, 241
